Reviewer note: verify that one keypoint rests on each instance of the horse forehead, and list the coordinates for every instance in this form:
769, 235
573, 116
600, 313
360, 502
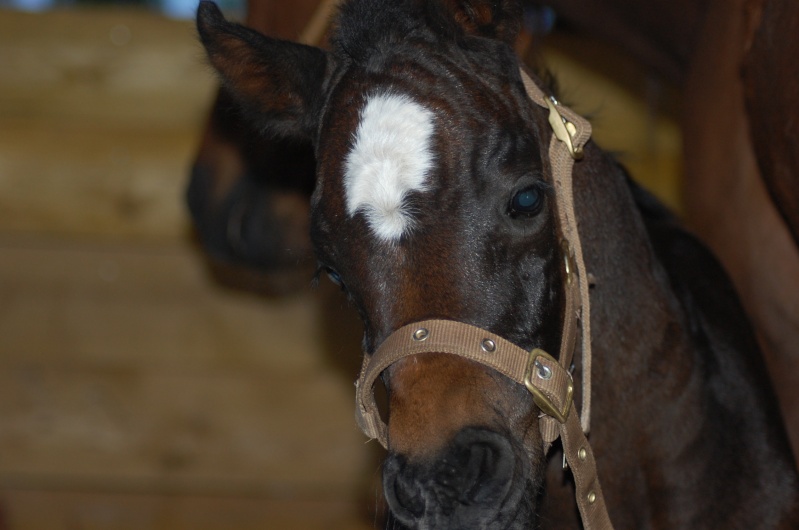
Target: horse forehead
391, 157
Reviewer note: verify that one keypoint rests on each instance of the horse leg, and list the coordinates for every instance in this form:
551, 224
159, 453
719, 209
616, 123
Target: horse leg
728, 205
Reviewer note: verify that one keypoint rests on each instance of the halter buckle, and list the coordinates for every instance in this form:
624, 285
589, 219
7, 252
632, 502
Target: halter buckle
568, 261
564, 130
542, 400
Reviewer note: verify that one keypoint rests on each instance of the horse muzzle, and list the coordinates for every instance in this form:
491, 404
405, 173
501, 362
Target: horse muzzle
477, 481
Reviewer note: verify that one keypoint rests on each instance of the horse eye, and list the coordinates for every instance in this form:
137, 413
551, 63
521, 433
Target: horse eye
527, 202
334, 276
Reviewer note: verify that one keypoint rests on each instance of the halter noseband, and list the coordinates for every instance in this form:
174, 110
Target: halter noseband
548, 380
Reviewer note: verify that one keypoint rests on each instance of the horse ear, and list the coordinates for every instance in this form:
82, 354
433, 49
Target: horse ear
278, 83
496, 19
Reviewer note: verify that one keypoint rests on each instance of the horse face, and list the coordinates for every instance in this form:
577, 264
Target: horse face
432, 201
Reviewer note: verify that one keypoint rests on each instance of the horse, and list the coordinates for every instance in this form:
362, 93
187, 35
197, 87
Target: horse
439, 204
741, 201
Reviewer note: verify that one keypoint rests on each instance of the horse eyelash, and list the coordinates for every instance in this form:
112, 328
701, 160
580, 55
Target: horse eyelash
323, 269
547, 187
316, 275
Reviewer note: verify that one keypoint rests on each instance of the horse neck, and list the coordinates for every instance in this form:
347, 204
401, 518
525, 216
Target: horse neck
669, 410
632, 305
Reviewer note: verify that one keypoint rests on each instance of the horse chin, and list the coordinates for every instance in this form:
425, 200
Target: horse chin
480, 480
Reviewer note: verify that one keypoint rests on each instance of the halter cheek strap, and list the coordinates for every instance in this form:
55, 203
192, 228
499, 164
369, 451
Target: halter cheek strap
570, 133
548, 380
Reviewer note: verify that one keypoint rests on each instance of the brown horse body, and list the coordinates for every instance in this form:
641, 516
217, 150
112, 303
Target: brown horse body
427, 99
734, 61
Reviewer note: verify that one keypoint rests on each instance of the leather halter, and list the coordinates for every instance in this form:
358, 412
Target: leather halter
548, 380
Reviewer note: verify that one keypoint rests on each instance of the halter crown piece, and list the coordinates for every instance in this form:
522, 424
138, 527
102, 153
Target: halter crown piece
548, 380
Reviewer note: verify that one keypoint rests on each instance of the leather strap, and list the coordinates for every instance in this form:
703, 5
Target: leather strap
562, 162
457, 338
587, 489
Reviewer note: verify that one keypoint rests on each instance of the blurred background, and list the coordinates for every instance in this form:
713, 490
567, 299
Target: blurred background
136, 392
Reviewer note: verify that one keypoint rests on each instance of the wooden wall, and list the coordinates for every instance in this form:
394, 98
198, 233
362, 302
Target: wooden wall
135, 393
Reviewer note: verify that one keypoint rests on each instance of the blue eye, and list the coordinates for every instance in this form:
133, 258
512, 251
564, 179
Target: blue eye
527, 202
334, 276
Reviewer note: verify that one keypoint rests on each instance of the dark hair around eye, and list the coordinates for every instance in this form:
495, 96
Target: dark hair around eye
527, 202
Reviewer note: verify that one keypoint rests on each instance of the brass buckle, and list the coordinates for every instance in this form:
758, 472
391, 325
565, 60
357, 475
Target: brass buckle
568, 261
564, 130
542, 401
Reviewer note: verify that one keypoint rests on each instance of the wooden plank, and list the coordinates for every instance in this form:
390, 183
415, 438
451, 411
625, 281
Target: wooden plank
156, 306
142, 431
47, 510
75, 181
100, 113
113, 67
125, 368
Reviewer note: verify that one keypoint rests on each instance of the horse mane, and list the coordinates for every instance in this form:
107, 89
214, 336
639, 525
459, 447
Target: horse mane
364, 26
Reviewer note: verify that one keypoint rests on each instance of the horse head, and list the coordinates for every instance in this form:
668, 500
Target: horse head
435, 199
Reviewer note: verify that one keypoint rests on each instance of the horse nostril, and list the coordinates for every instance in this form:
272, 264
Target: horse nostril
481, 466
485, 463
475, 472
402, 490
